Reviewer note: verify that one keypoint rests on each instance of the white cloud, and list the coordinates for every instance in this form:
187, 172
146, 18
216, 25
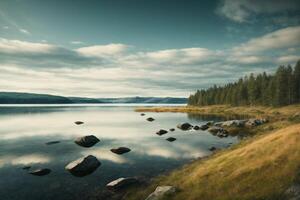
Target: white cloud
76, 42
103, 50
283, 38
242, 10
290, 59
24, 31
249, 59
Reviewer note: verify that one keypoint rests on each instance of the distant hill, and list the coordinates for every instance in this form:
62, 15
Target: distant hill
30, 98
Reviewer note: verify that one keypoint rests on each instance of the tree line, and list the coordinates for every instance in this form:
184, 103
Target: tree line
278, 89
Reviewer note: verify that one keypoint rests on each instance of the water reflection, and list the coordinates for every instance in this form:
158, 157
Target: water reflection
24, 136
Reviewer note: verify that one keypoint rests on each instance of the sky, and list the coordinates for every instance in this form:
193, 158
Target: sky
118, 48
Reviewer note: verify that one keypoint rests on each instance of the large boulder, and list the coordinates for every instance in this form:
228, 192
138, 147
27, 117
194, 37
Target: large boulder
83, 166
87, 141
121, 183
40, 172
185, 126
120, 150
161, 132
218, 131
204, 127
161, 192
255, 122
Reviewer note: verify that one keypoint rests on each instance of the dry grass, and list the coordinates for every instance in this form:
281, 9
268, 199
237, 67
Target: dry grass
259, 168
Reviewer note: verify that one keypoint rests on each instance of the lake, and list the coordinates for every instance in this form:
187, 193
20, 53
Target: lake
24, 130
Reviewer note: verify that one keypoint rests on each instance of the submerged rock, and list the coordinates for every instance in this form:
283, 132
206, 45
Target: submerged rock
161, 132
143, 114
196, 128
172, 129
83, 166
150, 119
171, 139
120, 150
121, 183
79, 122
26, 167
161, 192
212, 148
87, 141
52, 142
40, 172
204, 127
185, 126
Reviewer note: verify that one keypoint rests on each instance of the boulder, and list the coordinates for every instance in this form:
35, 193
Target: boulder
40, 172
78, 122
161, 192
52, 142
161, 132
172, 129
120, 150
209, 123
83, 166
87, 141
255, 122
217, 130
143, 114
185, 126
196, 128
121, 183
171, 139
231, 123
204, 127
150, 119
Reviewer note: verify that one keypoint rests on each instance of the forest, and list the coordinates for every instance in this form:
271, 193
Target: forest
278, 89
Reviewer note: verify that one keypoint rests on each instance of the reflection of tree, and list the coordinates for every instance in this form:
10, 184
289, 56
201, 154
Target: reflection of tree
208, 117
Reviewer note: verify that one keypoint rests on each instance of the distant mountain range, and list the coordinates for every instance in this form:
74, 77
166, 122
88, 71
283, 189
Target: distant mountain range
31, 98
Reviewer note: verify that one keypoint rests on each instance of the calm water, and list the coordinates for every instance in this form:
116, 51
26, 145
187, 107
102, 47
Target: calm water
24, 130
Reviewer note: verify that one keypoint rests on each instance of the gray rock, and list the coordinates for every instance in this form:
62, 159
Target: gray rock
143, 114
209, 123
255, 122
185, 126
40, 172
83, 166
150, 119
216, 130
196, 128
161, 132
293, 192
120, 150
79, 122
121, 183
87, 141
171, 139
172, 129
161, 192
204, 127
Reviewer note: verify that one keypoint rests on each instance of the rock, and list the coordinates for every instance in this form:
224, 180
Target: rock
209, 123
231, 123
212, 148
185, 126
171, 139
121, 183
161, 132
150, 119
52, 142
204, 127
83, 166
255, 122
26, 167
172, 129
161, 192
78, 122
143, 114
293, 192
87, 141
120, 150
196, 127
217, 130
40, 172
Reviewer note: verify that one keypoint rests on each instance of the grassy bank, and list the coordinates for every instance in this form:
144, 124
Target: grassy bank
261, 167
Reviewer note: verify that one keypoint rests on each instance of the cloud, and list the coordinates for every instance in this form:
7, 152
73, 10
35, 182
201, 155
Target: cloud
5, 27
290, 59
280, 39
76, 42
242, 10
24, 31
103, 50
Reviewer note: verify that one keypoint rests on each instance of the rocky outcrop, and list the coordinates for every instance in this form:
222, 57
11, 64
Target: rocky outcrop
40, 172
185, 126
87, 141
83, 166
161, 132
79, 122
171, 139
150, 119
162, 192
121, 183
120, 150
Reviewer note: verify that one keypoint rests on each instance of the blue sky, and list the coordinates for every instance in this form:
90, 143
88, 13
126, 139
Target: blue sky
141, 47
